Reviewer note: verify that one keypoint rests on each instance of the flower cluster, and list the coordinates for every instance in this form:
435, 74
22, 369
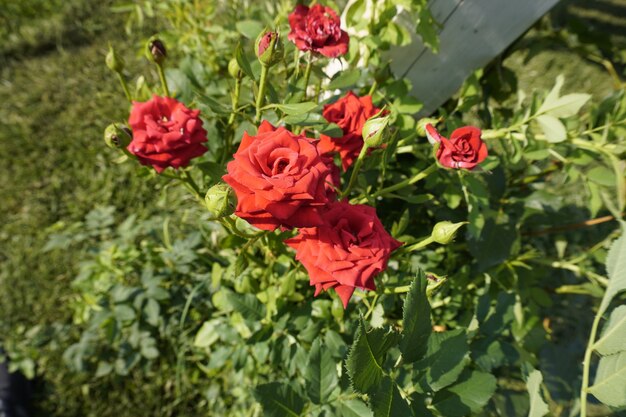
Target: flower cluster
283, 180
286, 180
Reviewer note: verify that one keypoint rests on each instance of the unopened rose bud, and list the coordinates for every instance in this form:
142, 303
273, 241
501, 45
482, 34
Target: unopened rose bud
117, 136
444, 232
421, 125
268, 48
156, 51
234, 69
374, 131
219, 200
114, 61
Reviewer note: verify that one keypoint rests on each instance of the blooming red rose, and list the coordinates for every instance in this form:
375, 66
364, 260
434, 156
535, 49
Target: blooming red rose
350, 113
464, 149
165, 133
318, 29
346, 252
333, 181
279, 179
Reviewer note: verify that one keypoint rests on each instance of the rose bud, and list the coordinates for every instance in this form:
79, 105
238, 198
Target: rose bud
114, 61
444, 232
464, 149
420, 128
374, 131
234, 70
156, 51
268, 48
219, 201
117, 136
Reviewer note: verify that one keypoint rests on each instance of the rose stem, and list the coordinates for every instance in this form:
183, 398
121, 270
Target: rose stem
307, 73
373, 88
355, 172
188, 179
166, 90
409, 181
261, 94
420, 245
125, 87
231, 119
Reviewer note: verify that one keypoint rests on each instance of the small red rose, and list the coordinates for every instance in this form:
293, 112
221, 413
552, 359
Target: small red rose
279, 178
318, 29
165, 133
349, 112
464, 149
346, 252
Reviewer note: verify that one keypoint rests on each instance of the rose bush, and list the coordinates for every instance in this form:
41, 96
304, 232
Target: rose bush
218, 317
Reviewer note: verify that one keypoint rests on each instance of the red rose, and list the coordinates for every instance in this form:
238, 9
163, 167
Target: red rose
346, 252
318, 29
165, 133
350, 113
279, 179
464, 149
333, 181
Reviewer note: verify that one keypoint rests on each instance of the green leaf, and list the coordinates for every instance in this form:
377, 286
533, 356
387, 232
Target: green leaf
366, 357
295, 108
416, 321
552, 127
602, 175
249, 28
427, 29
353, 408
279, 400
243, 62
610, 383
445, 359
124, 312
616, 268
565, 106
469, 394
207, 335
344, 79
321, 373
333, 130
613, 339
538, 407
387, 402
246, 304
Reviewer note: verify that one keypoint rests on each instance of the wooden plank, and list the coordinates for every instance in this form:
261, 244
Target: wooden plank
474, 32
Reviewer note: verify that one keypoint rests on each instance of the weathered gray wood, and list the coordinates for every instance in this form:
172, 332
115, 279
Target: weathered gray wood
473, 33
